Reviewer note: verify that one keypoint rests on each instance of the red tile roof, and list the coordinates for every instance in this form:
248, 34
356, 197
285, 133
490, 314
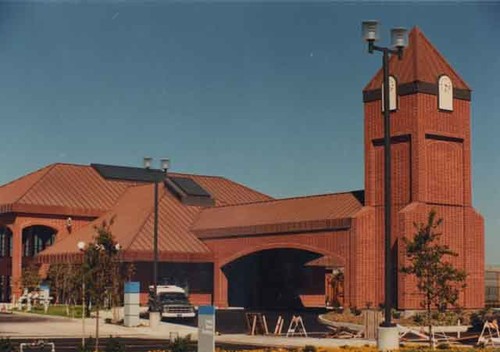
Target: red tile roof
13, 191
133, 217
62, 189
131, 206
421, 62
174, 235
239, 210
69, 189
310, 213
227, 192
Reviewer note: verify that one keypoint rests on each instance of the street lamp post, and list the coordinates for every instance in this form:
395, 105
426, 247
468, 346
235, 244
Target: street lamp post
165, 164
398, 39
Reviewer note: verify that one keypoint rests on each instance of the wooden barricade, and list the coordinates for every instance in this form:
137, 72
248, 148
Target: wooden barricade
279, 326
296, 327
371, 323
256, 324
490, 334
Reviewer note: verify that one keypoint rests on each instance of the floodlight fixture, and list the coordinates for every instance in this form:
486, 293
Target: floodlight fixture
81, 245
370, 31
147, 161
399, 38
165, 164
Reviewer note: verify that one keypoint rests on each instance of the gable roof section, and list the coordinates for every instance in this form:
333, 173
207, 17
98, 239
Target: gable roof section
14, 190
312, 213
228, 192
79, 190
175, 240
421, 62
62, 189
133, 218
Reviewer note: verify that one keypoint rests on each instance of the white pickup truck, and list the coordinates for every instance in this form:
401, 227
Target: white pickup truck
173, 302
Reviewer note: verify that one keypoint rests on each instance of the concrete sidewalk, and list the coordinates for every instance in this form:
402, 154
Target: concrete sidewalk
292, 342
47, 326
42, 326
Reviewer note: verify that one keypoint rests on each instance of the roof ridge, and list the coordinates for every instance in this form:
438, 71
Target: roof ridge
27, 175
248, 188
421, 62
49, 169
415, 32
71, 164
233, 182
191, 174
175, 173
287, 199
223, 178
447, 64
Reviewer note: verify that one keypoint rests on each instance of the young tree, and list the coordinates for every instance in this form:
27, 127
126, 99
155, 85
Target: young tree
437, 279
30, 277
65, 280
100, 263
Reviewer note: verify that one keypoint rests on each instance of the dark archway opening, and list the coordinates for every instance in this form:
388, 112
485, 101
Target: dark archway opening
36, 238
273, 279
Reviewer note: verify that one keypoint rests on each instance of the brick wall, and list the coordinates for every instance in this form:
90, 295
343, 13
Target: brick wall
430, 170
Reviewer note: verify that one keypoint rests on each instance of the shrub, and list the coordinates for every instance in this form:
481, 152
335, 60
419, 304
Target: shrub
114, 345
309, 348
355, 311
6, 345
477, 319
419, 319
181, 344
443, 346
395, 314
89, 345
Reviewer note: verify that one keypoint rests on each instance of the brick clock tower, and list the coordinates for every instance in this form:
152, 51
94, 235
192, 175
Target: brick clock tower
431, 165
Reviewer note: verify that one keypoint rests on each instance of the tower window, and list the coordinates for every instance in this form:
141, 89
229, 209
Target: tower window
445, 93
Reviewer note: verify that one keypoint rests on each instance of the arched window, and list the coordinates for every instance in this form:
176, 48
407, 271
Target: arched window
445, 93
36, 239
393, 94
5, 242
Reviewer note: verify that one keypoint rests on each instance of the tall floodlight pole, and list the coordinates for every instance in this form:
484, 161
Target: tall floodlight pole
165, 164
398, 39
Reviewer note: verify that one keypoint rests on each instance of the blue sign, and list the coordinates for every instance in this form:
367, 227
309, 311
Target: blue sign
206, 310
206, 329
132, 287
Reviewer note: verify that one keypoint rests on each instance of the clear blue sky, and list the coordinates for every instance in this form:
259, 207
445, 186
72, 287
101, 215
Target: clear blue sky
267, 94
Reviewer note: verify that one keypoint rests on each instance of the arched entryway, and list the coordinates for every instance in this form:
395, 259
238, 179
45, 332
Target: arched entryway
275, 279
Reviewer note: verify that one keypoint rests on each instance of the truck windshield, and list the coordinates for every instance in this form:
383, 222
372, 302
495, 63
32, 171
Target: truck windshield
173, 297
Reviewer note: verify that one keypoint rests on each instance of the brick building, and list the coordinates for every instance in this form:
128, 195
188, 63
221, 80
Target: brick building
492, 286
233, 246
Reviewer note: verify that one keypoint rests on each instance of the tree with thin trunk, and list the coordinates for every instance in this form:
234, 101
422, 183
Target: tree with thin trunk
30, 277
65, 280
438, 280
30, 281
100, 263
